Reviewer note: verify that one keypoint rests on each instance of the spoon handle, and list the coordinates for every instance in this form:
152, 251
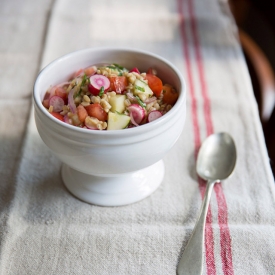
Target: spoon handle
192, 259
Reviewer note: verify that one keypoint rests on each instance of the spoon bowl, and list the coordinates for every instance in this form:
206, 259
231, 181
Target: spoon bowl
217, 157
216, 161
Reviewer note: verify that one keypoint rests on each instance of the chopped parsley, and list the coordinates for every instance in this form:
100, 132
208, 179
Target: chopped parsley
101, 92
120, 67
84, 80
78, 93
112, 67
143, 82
140, 88
140, 102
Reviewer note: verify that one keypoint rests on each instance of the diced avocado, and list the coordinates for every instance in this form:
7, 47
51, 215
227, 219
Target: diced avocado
142, 87
117, 103
117, 121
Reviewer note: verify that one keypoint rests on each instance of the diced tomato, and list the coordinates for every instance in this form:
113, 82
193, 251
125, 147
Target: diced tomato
82, 113
61, 92
170, 95
46, 102
58, 116
136, 70
151, 71
154, 83
77, 73
95, 110
90, 71
118, 83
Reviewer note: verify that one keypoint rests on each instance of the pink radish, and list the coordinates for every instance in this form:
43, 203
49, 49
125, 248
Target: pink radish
131, 97
150, 100
137, 113
153, 115
68, 120
98, 81
57, 103
135, 70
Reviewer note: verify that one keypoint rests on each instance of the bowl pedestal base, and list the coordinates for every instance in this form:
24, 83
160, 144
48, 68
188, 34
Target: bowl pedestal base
113, 190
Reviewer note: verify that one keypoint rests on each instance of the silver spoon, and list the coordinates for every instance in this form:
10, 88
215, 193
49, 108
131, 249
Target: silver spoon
216, 161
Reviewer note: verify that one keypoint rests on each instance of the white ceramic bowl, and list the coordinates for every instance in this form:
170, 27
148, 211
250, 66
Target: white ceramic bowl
114, 167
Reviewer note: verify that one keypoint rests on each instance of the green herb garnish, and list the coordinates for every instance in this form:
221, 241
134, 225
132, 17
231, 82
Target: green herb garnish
143, 82
140, 88
84, 80
140, 102
77, 94
112, 67
120, 67
101, 92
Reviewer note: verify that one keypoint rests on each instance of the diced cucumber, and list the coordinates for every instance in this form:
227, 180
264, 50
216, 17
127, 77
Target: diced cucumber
142, 87
117, 103
117, 121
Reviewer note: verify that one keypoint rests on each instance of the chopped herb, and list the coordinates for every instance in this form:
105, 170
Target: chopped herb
84, 79
140, 88
120, 67
77, 94
112, 67
143, 82
140, 102
101, 91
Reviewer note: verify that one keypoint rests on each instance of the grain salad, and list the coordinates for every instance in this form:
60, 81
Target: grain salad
110, 97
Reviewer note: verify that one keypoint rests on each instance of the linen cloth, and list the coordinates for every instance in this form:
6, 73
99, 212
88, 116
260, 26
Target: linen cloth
45, 230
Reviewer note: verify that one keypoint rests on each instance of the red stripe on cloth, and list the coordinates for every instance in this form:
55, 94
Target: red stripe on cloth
191, 89
206, 101
225, 239
209, 239
209, 236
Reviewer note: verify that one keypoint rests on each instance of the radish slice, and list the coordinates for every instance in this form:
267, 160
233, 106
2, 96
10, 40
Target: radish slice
52, 91
133, 119
57, 103
137, 113
135, 70
150, 100
153, 115
131, 97
67, 119
98, 81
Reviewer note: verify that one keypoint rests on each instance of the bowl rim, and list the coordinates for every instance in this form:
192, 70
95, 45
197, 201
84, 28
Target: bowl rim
135, 130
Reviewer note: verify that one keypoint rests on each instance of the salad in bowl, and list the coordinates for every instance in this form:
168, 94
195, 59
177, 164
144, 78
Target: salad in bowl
110, 97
